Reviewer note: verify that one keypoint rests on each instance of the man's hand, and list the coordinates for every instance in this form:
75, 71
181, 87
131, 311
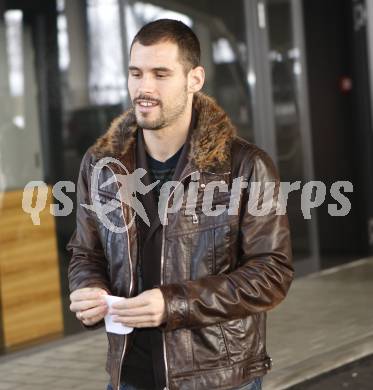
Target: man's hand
88, 304
148, 309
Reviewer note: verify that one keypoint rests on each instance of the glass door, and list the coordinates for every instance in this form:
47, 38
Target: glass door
286, 56
277, 76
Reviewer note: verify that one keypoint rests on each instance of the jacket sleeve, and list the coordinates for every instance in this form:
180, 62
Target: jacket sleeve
261, 279
88, 265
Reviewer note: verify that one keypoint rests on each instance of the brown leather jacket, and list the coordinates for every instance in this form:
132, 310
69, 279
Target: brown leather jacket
219, 274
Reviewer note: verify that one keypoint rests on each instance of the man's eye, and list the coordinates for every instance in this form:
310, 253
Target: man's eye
135, 74
161, 75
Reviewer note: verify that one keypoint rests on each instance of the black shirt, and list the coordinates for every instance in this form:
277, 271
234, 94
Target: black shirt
162, 171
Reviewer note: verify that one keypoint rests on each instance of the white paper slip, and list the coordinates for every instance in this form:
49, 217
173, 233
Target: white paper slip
110, 325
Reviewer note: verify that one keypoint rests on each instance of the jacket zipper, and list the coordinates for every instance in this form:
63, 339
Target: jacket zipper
162, 278
131, 282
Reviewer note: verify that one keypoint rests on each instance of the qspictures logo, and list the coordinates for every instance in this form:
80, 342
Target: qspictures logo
261, 198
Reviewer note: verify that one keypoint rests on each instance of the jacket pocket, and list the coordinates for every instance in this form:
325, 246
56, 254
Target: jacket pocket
209, 347
210, 252
201, 254
221, 249
243, 338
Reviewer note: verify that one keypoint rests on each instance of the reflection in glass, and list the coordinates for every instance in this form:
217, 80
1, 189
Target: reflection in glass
19, 129
13, 25
285, 67
63, 39
140, 13
223, 52
106, 78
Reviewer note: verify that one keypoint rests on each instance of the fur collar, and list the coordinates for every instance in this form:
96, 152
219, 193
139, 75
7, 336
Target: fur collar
210, 140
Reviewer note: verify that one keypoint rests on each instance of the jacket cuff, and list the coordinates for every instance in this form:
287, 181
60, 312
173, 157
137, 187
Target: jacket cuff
91, 283
177, 308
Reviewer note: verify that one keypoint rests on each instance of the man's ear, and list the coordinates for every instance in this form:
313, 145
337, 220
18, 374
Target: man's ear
196, 79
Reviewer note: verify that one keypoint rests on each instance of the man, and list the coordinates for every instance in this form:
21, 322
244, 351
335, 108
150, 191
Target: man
199, 280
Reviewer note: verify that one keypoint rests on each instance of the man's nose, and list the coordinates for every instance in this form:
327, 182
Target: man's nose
146, 85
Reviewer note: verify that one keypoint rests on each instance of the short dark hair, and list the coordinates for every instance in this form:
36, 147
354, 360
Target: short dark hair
173, 31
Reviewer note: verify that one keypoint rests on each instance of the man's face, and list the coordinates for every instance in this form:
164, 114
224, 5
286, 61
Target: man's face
157, 84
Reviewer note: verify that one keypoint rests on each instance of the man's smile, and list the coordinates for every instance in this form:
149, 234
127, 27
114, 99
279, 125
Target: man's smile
146, 105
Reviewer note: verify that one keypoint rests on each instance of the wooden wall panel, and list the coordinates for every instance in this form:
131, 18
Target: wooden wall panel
29, 273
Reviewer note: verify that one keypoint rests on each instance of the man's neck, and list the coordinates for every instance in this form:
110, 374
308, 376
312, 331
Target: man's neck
164, 143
